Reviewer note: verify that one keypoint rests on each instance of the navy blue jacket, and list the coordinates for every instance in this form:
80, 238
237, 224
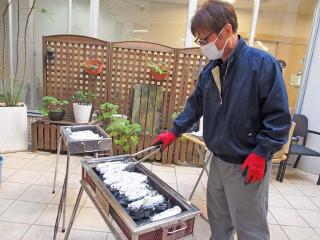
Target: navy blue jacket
252, 113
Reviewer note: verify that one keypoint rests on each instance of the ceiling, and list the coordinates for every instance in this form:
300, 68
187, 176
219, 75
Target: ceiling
300, 7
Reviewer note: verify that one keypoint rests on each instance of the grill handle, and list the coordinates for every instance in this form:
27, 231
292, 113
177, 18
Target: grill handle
166, 233
149, 149
131, 165
90, 150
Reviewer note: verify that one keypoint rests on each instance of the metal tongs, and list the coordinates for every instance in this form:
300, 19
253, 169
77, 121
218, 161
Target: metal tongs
153, 150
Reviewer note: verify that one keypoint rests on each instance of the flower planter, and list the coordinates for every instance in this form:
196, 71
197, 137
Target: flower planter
13, 129
159, 76
81, 112
93, 67
56, 116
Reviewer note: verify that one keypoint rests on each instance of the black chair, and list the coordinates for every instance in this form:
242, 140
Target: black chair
301, 130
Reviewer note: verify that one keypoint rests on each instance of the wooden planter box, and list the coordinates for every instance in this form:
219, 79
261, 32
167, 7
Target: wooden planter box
45, 134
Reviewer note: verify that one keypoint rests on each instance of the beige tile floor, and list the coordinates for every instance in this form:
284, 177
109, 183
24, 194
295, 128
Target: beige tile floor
28, 208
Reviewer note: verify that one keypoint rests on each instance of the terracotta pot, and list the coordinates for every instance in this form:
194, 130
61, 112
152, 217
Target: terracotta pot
159, 76
96, 62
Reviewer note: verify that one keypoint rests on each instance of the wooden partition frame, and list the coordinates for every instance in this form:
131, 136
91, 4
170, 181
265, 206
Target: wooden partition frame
126, 65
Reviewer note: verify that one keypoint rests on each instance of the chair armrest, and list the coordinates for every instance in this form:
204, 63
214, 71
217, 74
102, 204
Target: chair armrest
314, 132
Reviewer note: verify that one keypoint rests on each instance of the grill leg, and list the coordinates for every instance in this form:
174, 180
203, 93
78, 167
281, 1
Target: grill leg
65, 193
283, 170
56, 169
279, 171
200, 176
73, 215
60, 210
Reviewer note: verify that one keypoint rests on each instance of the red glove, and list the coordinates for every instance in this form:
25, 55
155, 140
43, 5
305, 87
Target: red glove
165, 139
253, 168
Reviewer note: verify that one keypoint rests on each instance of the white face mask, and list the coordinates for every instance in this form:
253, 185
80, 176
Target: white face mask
211, 51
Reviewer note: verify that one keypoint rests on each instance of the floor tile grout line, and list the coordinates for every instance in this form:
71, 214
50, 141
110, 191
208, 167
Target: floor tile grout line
281, 227
25, 232
305, 195
318, 206
272, 216
303, 208
15, 200
7, 207
303, 217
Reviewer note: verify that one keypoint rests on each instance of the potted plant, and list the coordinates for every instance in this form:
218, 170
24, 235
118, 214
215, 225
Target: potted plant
52, 108
119, 127
13, 111
123, 132
93, 66
82, 105
159, 71
106, 112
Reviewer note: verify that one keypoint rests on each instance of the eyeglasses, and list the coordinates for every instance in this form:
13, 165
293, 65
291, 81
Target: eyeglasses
204, 41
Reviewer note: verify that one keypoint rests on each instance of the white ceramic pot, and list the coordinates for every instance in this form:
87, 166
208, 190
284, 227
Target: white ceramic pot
81, 112
13, 129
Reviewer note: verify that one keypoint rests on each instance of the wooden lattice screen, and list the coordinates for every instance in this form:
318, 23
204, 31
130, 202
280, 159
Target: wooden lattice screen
64, 74
129, 66
189, 64
126, 65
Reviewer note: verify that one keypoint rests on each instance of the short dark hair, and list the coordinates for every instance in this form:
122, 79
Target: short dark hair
214, 15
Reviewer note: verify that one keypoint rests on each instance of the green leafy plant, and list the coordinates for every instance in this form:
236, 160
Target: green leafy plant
13, 89
52, 104
124, 133
83, 97
161, 67
12, 94
106, 111
176, 114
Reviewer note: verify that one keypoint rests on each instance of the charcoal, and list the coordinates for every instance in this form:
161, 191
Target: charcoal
145, 212
123, 202
137, 215
161, 207
142, 221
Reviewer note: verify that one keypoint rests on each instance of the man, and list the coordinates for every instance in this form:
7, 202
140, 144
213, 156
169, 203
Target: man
243, 100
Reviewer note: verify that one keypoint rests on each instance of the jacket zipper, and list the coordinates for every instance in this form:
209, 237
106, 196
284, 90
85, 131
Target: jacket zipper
224, 78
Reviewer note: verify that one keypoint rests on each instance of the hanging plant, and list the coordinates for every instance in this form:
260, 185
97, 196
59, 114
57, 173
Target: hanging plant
159, 71
93, 66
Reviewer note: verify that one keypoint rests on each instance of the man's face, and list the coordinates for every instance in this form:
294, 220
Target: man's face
206, 36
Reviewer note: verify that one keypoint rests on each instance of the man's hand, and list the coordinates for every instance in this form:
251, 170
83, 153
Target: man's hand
253, 168
165, 139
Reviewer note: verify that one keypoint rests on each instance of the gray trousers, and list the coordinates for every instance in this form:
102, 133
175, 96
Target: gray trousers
234, 206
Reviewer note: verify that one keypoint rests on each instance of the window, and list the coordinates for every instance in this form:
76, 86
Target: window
161, 22
283, 29
53, 21
80, 17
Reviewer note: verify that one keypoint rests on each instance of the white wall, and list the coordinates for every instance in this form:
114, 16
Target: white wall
310, 108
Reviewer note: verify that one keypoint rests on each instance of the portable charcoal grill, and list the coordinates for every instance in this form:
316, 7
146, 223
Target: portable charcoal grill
75, 146
175, 227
